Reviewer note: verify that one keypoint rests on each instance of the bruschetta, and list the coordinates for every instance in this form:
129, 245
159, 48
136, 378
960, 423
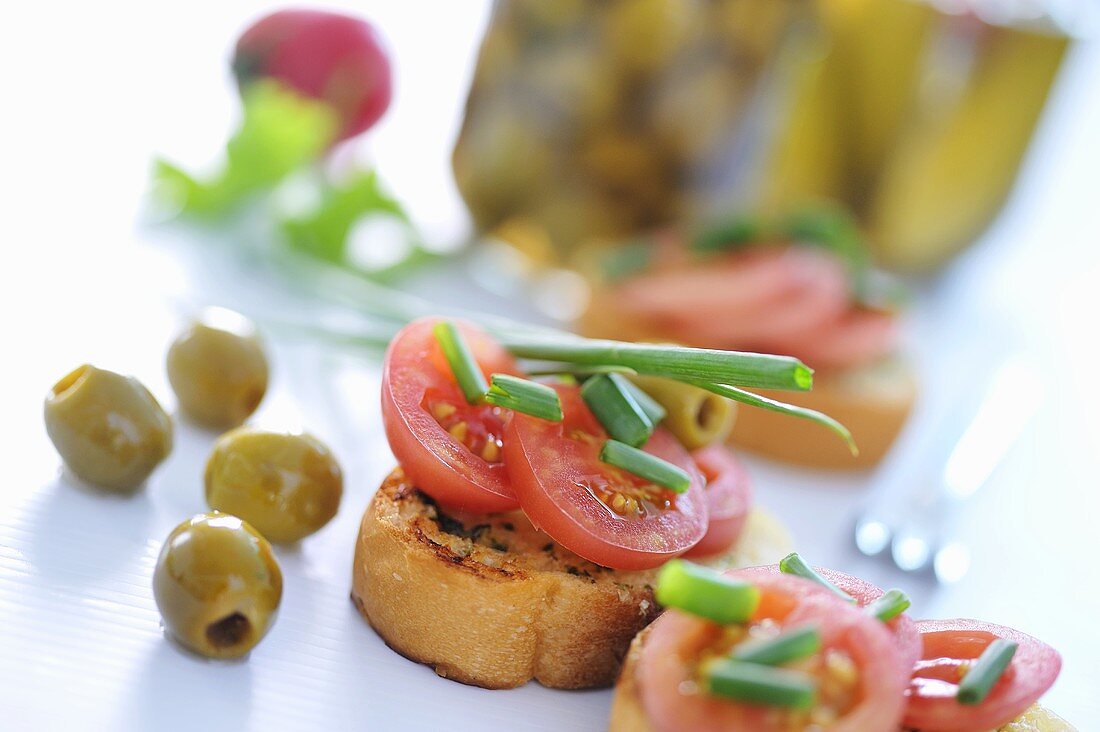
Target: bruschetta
781, 291
826, 653
520, 536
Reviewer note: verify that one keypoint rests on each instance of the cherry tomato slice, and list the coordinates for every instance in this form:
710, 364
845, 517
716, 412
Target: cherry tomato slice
948, 645
676, 641
450, 449
903, 627
602, 513
729, 497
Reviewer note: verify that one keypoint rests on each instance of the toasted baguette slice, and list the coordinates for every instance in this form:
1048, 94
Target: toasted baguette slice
628, 714
492, 601
872, 401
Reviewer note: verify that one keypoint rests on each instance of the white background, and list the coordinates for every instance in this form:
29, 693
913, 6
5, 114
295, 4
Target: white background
92, 90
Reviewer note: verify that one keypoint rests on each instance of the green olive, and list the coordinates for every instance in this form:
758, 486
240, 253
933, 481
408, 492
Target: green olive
696, 417
286, 485
218, 369
108, 428
217, 585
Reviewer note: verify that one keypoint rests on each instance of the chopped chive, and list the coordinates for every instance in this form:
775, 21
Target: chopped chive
644, 465
727, 234
707, 593
467, 373
757, 684
892, 604
793, 645
834, 229
794, 564
673, 362
755, 400
984, 672
522, 395
649, 405
616, 408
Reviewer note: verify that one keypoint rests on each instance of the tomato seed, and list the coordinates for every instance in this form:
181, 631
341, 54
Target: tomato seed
491, 452
442, 410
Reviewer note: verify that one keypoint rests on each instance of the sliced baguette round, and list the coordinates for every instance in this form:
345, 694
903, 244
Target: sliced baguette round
628, 714
873, 402
492, 601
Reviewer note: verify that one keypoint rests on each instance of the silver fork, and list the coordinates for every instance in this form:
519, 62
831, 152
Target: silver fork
913, 511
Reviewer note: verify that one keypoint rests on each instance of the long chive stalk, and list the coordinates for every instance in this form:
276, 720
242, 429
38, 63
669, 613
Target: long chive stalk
794, 564
521, 395
646, 466
674, 362
572, 369
984, 672
704, 368
755, 400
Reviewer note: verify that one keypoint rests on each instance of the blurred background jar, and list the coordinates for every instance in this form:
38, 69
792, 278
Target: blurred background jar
592, 120
916, 114
596, 119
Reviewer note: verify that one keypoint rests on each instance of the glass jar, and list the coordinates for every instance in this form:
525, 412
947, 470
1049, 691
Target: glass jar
917, 114
600, 118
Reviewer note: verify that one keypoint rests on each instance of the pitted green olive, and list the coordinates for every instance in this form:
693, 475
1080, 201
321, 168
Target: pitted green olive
218, 369
697, 417
108, 428
217, 585
286, 485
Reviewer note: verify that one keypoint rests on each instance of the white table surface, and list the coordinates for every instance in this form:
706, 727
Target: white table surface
107, 85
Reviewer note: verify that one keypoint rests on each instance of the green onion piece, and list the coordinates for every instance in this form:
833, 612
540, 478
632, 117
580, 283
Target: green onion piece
728, 234
616, 408
644, 465
755, 400
793, 645
984, 672
673, 362
757, 684
892, 604
707, 593
467, 372
794, 564
649, 405
522, 395
834, 229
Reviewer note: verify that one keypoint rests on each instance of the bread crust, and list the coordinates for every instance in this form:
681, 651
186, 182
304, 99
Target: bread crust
628, 713
873, 402
491, 601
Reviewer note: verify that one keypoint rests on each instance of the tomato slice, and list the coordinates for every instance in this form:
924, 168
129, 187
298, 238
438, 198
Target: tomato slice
729, 497
903, 627
448, 448
774, 299
604, 514
862, 674
948, 646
